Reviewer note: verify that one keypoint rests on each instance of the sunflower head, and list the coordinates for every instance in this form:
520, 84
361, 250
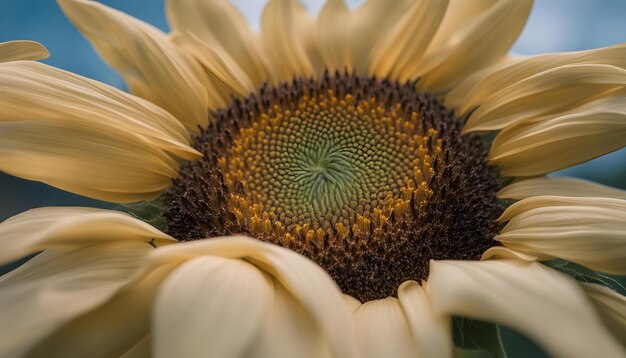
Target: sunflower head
369, 178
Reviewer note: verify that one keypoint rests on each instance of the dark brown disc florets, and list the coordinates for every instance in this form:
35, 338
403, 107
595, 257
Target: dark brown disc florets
369, 178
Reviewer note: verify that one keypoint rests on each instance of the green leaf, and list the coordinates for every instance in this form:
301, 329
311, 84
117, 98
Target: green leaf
473, 337
583, 274
148, 211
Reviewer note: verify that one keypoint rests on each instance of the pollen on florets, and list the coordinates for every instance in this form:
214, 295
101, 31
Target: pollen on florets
369, 178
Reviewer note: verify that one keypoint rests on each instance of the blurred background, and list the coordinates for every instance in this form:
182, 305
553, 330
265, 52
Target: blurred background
554, 25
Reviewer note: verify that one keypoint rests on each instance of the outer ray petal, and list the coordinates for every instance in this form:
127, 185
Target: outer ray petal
77, 157
57, 286
482, 44
31, 90
611, 306
285, 27
220, 26
306, 282
587, 231
531, 149
70, 227
501, 252
333, 35
141, 349
541, 303
225, 73
289, 331
145, 56
549, 92
398, 53
383, 330
471, 92
213, 306
115, 327
558, 186
431, 333
364, 36
22, 50
460, 15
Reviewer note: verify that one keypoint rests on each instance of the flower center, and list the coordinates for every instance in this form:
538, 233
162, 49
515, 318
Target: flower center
368, 178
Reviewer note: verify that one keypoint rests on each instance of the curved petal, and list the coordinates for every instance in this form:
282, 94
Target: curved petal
288, 331
548, 92
57, 286
307, 283
531, 149
144, 55
22, 50
113, 328
32, 90
398, 53
501, 252
460, 15
587, 231
219, 25
70, 227
431, 333
539, 302
229, 78
367, 27
383, 330
559, 186
286, 30
333, 35
611, 307
471, 92
88, 160
483, 43
142, 349
210, 306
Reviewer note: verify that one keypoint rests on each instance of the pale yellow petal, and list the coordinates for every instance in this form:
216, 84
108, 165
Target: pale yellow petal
398, 53
85, 159
535, 202
143, 53
431, 333
219, 24
531, 149
307, 283
289, 331
501, 252
545, 305
460, 15
611, 307
558, 186
588, 231
383, 330
22, 50
228, 78
284, 27
70, 227
549, 92
31, 90
333, 35
472, 92
211, 306
142, 349
483, 43
110, 330
368, 25
57, 286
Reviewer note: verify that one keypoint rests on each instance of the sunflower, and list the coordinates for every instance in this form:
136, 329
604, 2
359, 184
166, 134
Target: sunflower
366, 183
